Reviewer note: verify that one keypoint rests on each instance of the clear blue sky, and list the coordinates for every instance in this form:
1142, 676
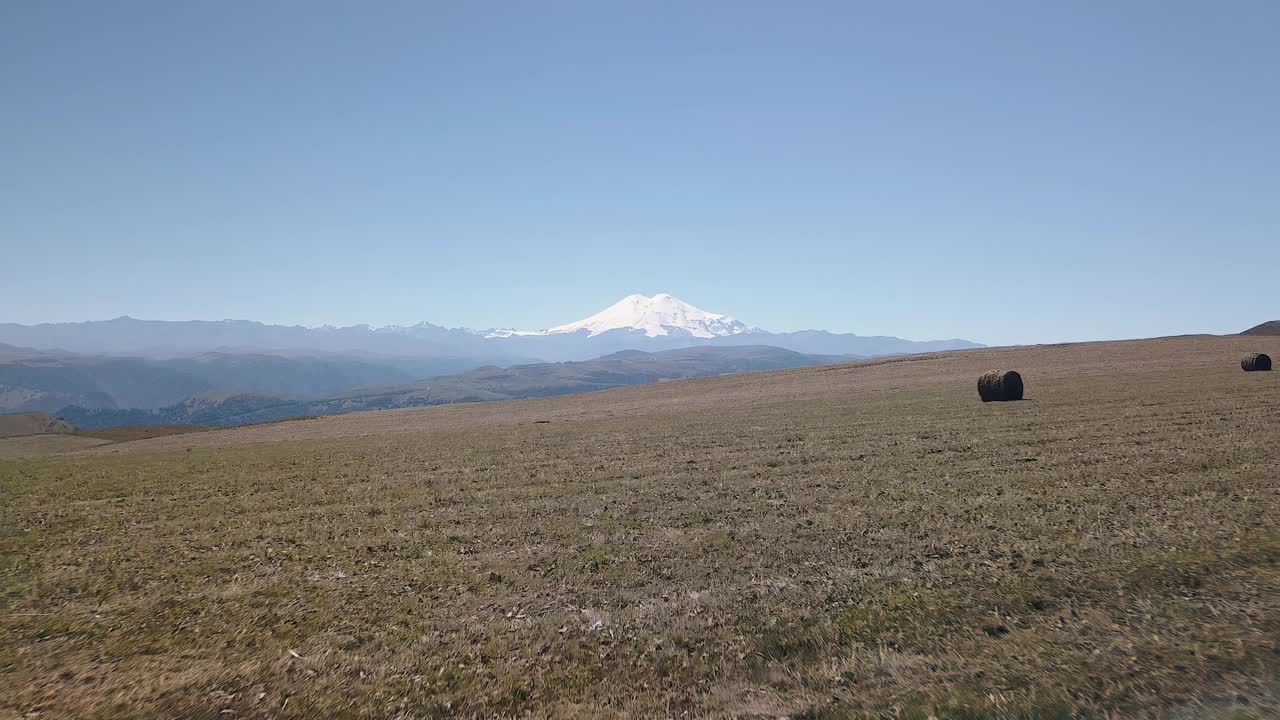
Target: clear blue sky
1001, 171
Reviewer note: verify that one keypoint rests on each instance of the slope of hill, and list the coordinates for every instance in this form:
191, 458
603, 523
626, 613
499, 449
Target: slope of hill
25, 435
32, 423
45, 445
1271, 327
862, 539
629, 367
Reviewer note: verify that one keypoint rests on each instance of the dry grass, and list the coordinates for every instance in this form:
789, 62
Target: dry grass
44, 445
855, 540
129, 433
31, 423
30, 446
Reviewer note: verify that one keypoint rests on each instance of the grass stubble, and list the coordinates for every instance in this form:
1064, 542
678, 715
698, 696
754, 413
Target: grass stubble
845, 541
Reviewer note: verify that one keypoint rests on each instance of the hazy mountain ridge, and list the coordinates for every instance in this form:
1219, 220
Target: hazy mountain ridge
168, 338
637, 322
130, 364
50, 381
630, 367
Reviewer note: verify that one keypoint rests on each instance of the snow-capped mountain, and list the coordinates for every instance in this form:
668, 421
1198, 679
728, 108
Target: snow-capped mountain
656, 316
659, 316
636, 322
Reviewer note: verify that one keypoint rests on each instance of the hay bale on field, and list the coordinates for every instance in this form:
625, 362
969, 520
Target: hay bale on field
1000, 385
1256, 361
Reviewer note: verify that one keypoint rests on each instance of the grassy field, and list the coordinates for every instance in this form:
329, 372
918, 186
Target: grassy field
129, 433
31, 423
29, 446
62, 442
853, 540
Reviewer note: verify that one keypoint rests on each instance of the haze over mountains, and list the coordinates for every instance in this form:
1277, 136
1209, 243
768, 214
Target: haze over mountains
49, 381
661, 322
129, 371
629, 367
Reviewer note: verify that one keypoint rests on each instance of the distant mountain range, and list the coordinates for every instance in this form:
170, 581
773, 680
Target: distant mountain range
630, 367
637, 322
32, 380
204, 371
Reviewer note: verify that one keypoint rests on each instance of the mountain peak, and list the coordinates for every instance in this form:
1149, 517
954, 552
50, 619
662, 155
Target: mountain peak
656, 316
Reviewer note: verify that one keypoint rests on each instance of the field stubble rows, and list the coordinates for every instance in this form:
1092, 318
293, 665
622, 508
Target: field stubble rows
825, 542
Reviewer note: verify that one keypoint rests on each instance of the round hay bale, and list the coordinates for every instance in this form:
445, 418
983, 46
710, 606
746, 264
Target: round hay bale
1256, 361
1000, 385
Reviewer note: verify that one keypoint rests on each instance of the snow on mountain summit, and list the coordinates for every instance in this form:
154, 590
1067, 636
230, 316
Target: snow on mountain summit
659, 315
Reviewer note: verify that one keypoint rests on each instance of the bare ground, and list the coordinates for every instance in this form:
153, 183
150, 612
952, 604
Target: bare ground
865, 539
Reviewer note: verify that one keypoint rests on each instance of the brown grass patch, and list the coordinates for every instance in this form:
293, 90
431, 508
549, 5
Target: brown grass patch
130, 433
32, 423
30, 446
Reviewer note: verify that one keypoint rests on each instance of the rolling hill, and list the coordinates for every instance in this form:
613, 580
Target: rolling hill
1271, 327
32, 423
